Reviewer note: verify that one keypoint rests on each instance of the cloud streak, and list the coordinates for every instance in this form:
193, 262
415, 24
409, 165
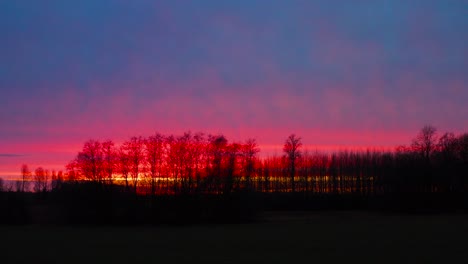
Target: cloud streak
10, 155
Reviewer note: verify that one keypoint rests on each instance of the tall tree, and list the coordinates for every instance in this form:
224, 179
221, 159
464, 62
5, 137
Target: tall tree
72, 173
25, 177
89, 161
425, 144
217, 149
198, 157
249, 153
109, 160
291, 148
154, 157
123, 164
426, 141
232, 151
184, 157
135, 153
40, 180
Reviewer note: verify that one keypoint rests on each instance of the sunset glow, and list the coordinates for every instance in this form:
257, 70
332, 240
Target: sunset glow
341, 76
233, 131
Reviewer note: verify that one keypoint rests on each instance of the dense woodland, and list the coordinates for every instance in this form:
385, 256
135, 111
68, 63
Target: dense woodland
200, 177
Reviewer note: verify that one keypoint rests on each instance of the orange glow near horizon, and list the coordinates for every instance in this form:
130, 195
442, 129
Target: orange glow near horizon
57, 157
54, 154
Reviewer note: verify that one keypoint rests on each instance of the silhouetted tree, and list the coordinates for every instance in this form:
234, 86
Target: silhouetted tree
40, 180
89, 161
425, 145
71, 171
291, 148
154, 157
217, 148
109, 160
426, 141
124, 164
447, 143
25, 177
182, 152
190, 172
232, 152
249, 152
135, 154
198, 158
59, 179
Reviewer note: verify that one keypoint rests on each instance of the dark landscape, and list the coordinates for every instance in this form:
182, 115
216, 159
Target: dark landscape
229, 205
233, 131
280, 237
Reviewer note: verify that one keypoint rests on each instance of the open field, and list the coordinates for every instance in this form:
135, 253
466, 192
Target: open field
320, 237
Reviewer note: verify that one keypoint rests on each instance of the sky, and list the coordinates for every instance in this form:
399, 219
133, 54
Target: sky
336, 73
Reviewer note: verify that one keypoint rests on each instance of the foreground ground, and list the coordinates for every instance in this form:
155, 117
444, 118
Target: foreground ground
320, 237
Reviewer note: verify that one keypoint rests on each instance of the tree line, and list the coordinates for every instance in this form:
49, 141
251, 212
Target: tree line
196, 163
198, 178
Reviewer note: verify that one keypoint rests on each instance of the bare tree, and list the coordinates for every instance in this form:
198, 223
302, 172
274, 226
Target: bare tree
217, 149
89, 161
425, 144
291, 148
249, 152
154, 156
25, 176
40, 180
172, 162
426, 141
198, 157
109, 160
72, 171
123, 164
233, 151
184, 160
135, 153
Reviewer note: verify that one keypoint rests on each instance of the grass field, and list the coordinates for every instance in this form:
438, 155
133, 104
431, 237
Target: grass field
330, 237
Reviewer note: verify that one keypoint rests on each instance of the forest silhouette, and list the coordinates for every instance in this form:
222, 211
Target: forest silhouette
198, 178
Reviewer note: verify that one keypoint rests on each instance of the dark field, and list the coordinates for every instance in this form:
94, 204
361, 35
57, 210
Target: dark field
335, 237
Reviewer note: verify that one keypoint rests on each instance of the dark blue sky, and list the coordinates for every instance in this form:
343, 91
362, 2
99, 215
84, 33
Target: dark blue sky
348, 73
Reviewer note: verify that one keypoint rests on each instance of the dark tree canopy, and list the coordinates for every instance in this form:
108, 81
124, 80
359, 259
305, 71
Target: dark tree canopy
176, 173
